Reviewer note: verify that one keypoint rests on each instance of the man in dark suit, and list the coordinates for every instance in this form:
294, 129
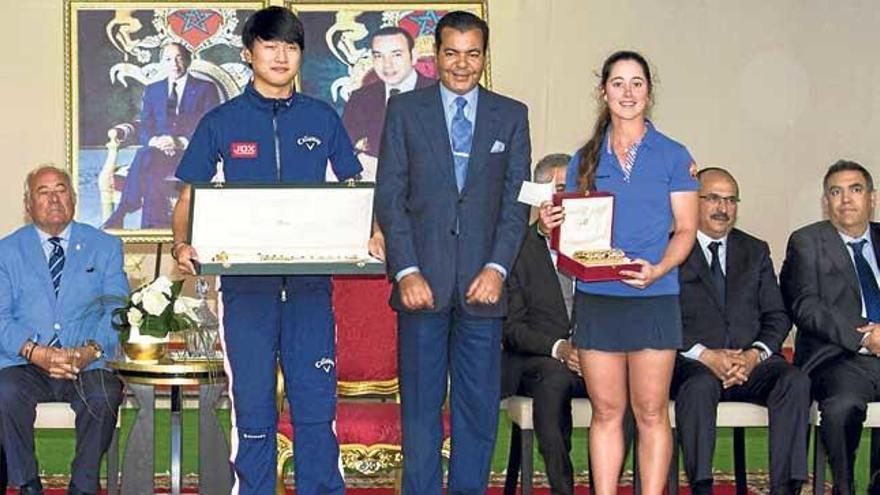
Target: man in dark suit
829, 282
734, 324
394, 57
60, 281
452, 161
170, 110
538, 359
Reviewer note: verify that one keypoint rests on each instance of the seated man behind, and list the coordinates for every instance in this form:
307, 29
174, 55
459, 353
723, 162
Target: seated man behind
734, 323
829, 282
538, 359
59, 283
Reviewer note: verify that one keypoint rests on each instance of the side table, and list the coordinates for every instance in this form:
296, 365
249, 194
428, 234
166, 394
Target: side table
141, 378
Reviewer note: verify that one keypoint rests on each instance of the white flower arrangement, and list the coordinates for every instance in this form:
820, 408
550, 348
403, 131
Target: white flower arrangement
155, 309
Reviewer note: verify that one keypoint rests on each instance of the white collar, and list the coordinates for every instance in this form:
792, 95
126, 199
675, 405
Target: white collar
408, 84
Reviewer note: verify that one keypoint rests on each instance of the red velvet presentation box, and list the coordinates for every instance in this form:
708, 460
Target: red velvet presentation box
587, 230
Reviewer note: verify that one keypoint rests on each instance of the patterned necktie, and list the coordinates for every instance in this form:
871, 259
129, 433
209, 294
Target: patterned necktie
717, 273
870, 290
630, 160
171, 105
462, 137
56, 263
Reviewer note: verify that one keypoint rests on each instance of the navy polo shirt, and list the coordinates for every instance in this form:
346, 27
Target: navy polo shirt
642, 207
259, 137
268, 140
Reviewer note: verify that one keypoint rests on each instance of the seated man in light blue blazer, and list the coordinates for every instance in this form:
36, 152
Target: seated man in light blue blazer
59, 283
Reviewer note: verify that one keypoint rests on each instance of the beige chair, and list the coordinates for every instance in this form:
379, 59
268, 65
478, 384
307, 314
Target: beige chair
522, 438
736, 415
820, 457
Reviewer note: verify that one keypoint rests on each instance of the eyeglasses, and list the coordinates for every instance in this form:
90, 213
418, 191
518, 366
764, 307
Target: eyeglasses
716, 200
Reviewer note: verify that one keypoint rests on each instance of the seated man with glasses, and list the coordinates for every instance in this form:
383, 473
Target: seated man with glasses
733, 326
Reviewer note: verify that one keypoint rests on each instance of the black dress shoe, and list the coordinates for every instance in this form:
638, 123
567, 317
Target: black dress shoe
32, 487
702, 488
73, 490
792, 488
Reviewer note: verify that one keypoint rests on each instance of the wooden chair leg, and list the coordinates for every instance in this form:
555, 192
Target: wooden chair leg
112, 457
637, 479
672, 482
739, 461
874, 475
398, 480
528, 466
514, 458
3, 478
819, 460
590, 464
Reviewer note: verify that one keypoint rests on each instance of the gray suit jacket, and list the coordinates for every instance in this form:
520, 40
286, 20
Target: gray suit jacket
821, 291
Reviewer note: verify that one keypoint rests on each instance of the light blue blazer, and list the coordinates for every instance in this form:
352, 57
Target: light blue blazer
93, 283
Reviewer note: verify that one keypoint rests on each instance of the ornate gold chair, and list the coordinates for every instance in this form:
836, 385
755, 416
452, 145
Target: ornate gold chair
368, 411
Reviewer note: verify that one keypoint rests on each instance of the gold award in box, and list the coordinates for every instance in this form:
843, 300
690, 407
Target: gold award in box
583, 241
283, 229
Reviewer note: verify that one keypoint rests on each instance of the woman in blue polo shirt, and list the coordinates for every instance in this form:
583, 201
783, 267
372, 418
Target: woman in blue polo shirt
628, 331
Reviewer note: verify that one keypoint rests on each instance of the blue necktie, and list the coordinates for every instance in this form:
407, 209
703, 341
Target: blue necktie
462, 137
870, 291
56, 263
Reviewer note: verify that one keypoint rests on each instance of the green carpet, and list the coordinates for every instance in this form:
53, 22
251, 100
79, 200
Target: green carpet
55, 447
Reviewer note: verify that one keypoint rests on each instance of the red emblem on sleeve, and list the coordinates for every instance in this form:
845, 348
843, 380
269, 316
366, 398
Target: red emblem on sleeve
243, 150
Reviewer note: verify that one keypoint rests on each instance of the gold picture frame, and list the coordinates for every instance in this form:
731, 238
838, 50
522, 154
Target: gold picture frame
340, 65
112, 56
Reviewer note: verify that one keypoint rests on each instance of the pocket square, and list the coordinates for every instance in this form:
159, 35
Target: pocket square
90, 269
497, 147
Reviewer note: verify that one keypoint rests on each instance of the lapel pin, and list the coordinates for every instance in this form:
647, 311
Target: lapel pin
78, 246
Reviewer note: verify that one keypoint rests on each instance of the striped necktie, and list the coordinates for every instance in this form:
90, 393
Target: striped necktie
56, 263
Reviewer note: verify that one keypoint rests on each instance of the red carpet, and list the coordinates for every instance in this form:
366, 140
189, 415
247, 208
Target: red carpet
720, 489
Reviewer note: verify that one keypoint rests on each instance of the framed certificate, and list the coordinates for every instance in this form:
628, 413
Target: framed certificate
583, 241
283, 229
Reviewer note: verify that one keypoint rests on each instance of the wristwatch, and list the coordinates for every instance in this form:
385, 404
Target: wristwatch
95, 347
763, 355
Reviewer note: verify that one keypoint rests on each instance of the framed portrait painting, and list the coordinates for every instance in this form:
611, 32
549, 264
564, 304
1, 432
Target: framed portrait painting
359, 53
139, 77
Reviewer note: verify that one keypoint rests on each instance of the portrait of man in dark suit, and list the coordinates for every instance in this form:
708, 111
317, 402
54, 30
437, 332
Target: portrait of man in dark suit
829, 282
170, 110
452, 161
392, 50
734, 323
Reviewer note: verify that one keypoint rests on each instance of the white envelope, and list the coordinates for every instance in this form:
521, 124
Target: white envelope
534, 193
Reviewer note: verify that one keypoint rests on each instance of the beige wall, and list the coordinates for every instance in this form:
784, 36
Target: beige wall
774, 91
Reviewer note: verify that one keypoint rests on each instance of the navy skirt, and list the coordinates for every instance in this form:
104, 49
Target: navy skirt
624, 324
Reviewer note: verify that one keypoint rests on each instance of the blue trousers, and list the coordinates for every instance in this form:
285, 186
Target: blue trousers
467, 350
94, 397
297, 329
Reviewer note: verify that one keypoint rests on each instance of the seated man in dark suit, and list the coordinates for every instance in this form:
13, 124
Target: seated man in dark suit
59, 283
538, 359
829, 282
734, 324
170, 110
